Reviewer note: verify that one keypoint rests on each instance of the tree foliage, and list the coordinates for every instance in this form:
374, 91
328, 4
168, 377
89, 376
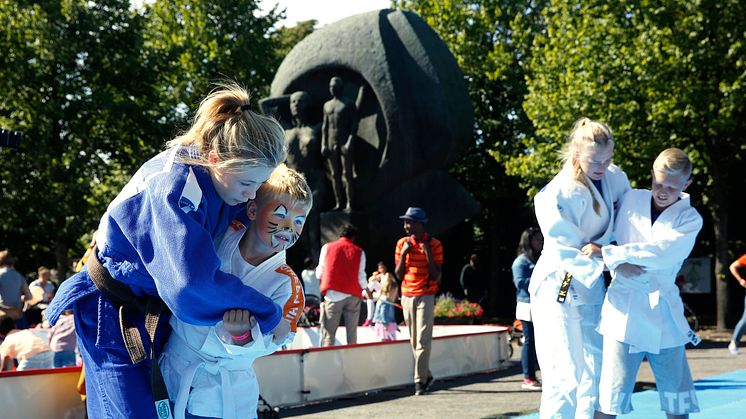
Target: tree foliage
195, 43
483, 37
73, 83
96, 88
661, 74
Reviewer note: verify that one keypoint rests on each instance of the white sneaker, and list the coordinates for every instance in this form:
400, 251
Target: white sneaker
733, 348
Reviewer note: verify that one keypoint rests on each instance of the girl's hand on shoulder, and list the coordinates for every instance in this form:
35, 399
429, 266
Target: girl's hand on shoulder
629, 270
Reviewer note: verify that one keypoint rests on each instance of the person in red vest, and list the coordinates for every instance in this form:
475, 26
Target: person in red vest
418, 260
342, 271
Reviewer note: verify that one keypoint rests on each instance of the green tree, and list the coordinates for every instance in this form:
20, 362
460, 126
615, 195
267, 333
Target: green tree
661, 74
286, 38
195, 43
490, 40
73, 83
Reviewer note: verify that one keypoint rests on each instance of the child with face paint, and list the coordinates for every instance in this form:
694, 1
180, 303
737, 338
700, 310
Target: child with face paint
208, 370
643, 315
154, 249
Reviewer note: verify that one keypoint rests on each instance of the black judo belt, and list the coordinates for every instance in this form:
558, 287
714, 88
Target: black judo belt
129, 305
562, 295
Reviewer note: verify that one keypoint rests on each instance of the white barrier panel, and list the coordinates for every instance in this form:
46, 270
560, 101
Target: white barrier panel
281, 376
296, 376
326, 373
356, 368
41, 394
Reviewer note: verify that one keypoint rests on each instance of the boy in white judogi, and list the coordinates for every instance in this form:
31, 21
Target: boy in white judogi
642, 314
208, 370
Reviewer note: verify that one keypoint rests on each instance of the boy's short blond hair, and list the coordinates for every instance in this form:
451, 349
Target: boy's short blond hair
673, 161
285, 181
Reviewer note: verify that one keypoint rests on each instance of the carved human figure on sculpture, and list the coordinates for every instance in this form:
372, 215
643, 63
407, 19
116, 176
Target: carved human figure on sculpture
337, 133
304, 155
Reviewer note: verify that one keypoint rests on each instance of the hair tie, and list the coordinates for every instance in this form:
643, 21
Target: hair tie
245, 107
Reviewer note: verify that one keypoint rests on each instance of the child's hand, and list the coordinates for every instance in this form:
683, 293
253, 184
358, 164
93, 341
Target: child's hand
629, 270
237, 322
591, 249
281, 331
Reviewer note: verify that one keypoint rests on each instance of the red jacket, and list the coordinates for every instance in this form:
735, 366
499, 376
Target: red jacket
341, 267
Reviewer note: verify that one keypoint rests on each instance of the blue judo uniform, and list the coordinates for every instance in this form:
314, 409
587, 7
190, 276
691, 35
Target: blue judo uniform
156, 237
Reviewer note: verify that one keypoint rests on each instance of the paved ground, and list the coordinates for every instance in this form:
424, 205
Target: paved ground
496, 394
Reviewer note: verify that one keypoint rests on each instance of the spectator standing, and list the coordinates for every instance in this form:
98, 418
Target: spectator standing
471, 281
529, 249
42, 289
311, 284
418, 259
374, 286
44, 284
342, 272
735, 268
62, 340
13, 290
384, 318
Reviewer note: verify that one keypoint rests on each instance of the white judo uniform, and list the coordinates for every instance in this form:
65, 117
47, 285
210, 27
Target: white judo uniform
644, 315
568, 346
207, 376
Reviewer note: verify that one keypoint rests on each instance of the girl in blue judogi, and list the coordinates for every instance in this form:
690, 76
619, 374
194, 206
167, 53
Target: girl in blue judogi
156, 240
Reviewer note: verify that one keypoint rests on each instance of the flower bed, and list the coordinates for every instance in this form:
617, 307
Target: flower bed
448, 310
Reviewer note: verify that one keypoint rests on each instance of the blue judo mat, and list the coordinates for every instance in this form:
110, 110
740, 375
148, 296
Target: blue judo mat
720, 397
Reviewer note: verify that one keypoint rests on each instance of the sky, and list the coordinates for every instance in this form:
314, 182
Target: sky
324, 11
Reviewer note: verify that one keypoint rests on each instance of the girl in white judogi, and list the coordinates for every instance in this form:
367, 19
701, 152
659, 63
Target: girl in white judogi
577, 207
208, 370
643, 314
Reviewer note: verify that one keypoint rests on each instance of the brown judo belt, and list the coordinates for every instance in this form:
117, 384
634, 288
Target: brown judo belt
562, 295
131, 305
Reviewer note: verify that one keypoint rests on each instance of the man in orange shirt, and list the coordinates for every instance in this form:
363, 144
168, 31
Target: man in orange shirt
418, 261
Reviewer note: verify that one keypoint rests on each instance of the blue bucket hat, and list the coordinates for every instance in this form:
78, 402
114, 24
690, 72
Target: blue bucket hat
414, 214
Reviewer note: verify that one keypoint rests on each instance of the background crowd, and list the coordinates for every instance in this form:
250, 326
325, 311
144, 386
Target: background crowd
26, 338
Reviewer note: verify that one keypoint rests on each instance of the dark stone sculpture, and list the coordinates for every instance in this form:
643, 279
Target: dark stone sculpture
414, 118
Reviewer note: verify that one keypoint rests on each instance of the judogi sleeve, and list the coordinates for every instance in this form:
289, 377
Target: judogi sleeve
177, 251
676, 245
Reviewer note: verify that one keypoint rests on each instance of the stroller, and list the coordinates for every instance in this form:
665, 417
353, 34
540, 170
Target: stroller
515, 337
311, 312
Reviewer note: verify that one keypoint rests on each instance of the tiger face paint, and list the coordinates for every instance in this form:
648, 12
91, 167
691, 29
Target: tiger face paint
277, 223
